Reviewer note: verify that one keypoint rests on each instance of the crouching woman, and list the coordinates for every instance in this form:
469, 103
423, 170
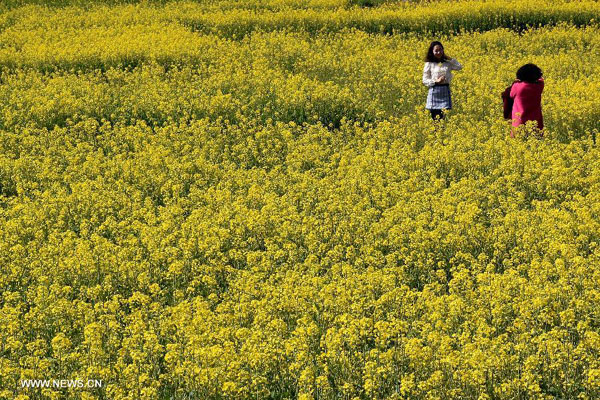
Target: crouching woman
526, 93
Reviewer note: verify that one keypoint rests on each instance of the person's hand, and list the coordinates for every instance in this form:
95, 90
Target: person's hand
441, 79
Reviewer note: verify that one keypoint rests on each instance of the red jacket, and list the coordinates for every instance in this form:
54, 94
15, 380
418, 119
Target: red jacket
527, 102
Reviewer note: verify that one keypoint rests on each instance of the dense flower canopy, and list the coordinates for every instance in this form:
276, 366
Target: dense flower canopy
247, 200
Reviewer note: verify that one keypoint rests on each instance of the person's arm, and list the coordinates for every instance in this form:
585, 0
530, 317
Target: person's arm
514, 89
454, 64
427, 81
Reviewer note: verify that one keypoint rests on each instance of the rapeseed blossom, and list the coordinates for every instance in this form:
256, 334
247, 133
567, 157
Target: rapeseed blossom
246, 200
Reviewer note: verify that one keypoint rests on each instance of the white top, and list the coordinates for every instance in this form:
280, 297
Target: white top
433, 70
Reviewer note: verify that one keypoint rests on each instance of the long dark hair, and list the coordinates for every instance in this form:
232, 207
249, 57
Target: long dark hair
430, 57
529, 73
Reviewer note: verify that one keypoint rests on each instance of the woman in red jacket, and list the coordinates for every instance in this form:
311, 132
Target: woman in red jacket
527, 95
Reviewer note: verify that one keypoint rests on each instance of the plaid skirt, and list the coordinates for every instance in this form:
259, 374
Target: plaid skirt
439, 98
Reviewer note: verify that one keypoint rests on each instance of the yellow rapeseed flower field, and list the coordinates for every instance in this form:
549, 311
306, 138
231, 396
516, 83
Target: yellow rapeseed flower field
247, 200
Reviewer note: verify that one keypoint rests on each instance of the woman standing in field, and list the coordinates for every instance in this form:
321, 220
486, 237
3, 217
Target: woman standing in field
437, 75
526, 92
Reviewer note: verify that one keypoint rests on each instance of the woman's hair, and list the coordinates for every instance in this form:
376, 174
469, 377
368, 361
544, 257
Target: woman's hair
430, 57
529, 73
